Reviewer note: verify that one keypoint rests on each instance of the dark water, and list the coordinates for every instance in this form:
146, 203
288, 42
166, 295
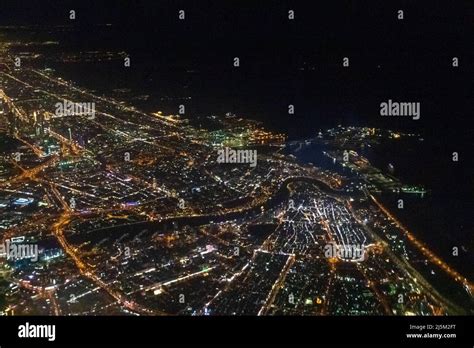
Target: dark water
442, 217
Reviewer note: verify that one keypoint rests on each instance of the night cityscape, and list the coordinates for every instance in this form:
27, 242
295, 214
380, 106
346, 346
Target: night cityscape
179, 160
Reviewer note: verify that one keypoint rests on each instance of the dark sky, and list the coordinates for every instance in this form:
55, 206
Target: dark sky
368, 31
409, 60
349, 23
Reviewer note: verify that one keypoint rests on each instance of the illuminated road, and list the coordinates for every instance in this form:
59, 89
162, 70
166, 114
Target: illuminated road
277, 286
408, 269
87, 270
